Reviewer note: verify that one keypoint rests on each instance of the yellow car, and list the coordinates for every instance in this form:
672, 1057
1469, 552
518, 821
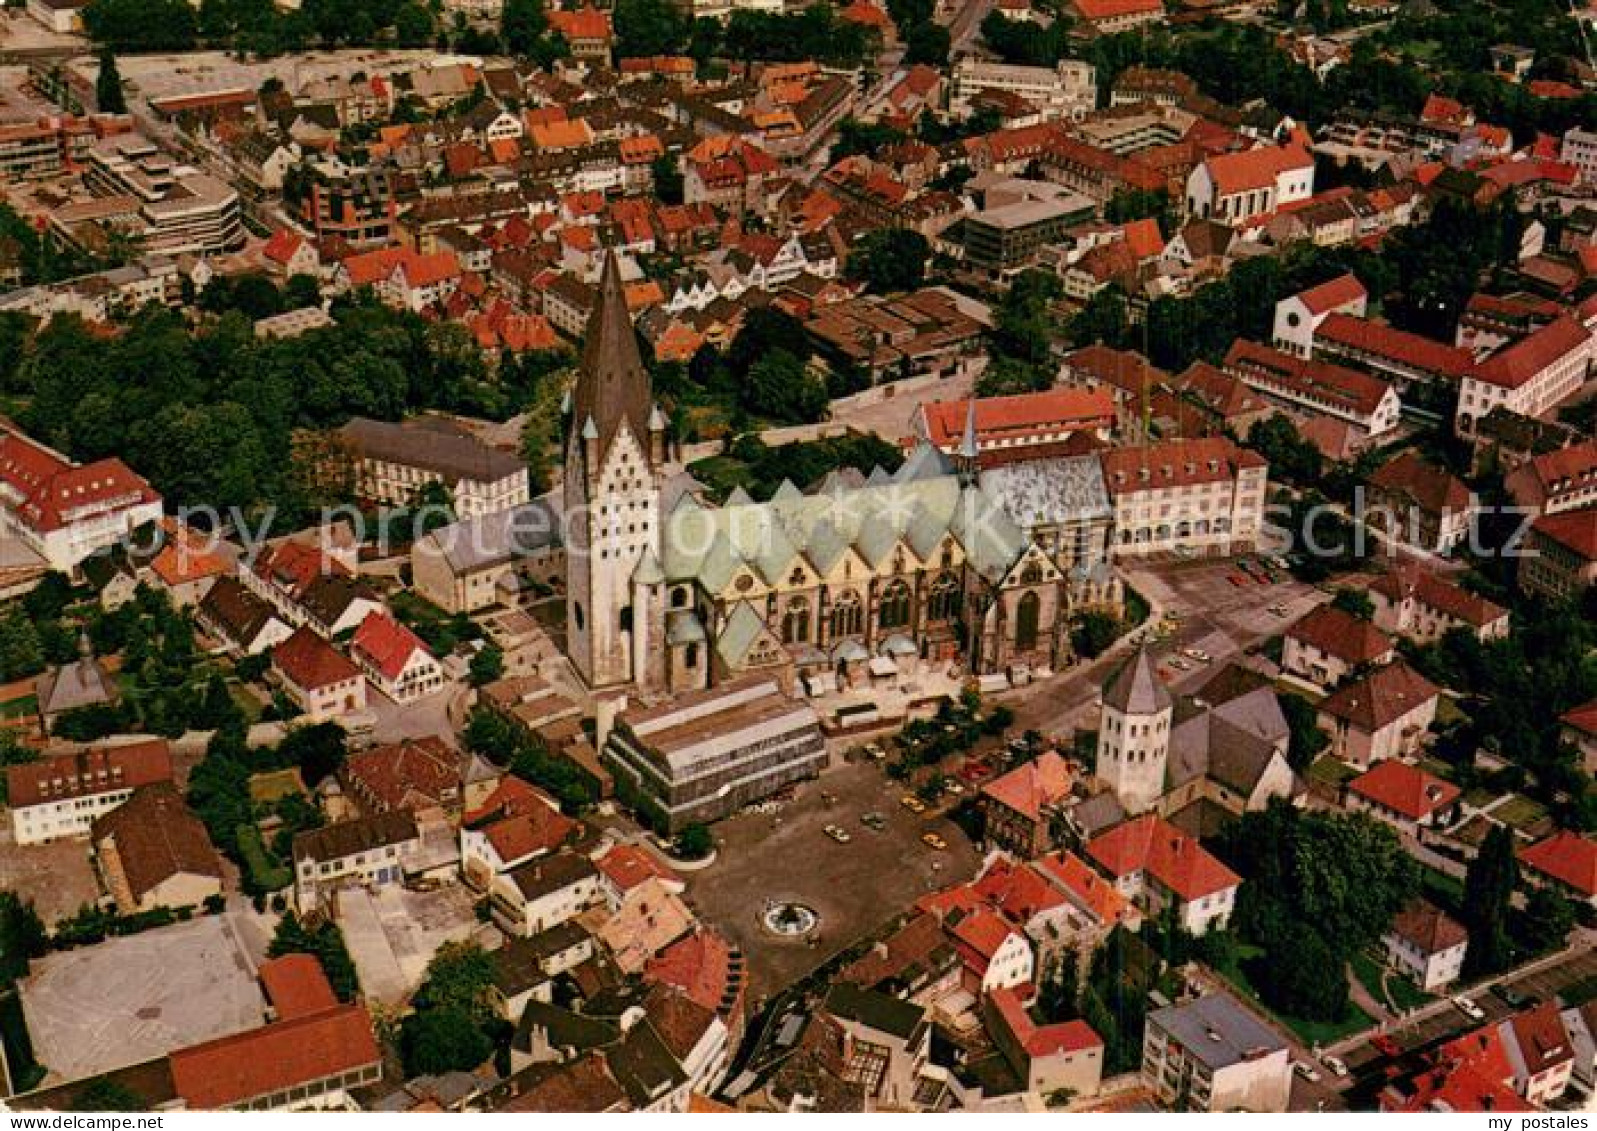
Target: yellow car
935, 841
913, 803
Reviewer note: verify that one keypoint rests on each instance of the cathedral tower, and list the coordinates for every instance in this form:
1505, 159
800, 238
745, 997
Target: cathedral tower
615, 446
1134, 734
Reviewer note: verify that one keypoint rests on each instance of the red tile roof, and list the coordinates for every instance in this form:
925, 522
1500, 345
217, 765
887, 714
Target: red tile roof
1030, 788
1343, 635
88, 773
282, 246
1440, 109
310, 663
1144, 238
1428, 927
55, 493
704, 966
1574, 530
1410, 579
584, 23
275, 1058
1582, 718
1383, 341
1175, 463
414, 773
1017, 891
979, 935
1248, 169
388, 644
1404, 789
1432, 488
1329, 295
1567, 857
1042, 1040
1084, 887
1095, 10
1519, 363
627, 866
1152, 845
296, 986
1347, 388
1380, 698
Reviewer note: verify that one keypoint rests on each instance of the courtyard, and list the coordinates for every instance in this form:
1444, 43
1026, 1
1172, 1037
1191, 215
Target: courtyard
855, 887
392, 933
57, 878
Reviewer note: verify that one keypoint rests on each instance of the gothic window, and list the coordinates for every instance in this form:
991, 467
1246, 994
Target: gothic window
892, 610
1031, 575
847, 616
1026, 619
943, 602
692, 656
577, 609
626, 619
796, 622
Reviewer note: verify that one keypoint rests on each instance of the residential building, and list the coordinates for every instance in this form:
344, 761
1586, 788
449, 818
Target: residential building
240, 619
1427, 946
393, 462
1557, 481
1539, 1051
1316, 389
1018, 806
706, 754
1298, 316
1017, 218
364, 852
514, 825
1237, 186
307, 583
423, 776
323, 683
543, 893
64, 511
1414, 601
994, 953
888, 1042
1580, 150
1206, 494
1327, 644
1108, 17
1470, 1073
61, 795
1403, 796
1214, 1055
153, 852
1529, 376
1579, 729
1065, 1055
1384, 715
395, 660
1559, 561
1566, 862
490, 559
1163, 870
1418, 503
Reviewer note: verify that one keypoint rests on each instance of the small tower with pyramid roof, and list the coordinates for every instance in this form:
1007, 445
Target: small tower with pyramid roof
967, 462
1134, 734
615, 447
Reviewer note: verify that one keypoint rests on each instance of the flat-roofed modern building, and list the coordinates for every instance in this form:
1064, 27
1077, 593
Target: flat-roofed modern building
181, 208
705, 755
1213, 1055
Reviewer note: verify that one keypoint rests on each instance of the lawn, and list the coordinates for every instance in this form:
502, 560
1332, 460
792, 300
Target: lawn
266, 870
1312, 1033
1395, 990
20, 708
1443, 890
1520, 812
1331, 771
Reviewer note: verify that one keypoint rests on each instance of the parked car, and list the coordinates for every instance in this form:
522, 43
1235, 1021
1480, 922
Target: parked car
873, 820
1468, 1008
1335, 1064
1306, 1070
935, 841
837, 834
913, 803
1237, 579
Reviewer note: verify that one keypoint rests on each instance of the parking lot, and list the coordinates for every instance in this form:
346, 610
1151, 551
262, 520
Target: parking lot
856, 887
57, 878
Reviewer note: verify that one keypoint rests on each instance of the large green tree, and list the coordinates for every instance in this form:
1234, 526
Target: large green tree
890, 259
108, 86
1488, 903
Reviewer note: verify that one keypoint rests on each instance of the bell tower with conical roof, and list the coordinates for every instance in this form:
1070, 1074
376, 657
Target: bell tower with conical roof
1134, 734
615, 446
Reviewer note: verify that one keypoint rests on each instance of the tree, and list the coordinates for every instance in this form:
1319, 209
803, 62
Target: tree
442, 1040
108, 86
487, 664
1291, 457
1302, 975
889, 260
103, 1094
522, 24
1546, 921
1488, 895
667, 174
1093, 632
460, 976
1354, 602
781, 388
22, 936
694, 842
1306, 740
927, 43
413, 25
649, 27
319, 751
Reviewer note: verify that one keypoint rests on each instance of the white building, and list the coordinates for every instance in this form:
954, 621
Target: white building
395, 461
1206, 494
1530, 376
1212, 1054
1427, 946
1068, 91
366, 852
1161, 869
1298, 316
61, 796
1234, 187
395, 660
1134, 735
1580, 150
320, 679
545, 892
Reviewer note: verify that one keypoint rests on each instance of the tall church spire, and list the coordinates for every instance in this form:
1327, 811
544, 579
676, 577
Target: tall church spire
612, 384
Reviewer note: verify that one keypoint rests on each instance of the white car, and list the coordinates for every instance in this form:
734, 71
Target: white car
1306, 1070
836, 834
1334, 1063
1468, 1008
1197, 654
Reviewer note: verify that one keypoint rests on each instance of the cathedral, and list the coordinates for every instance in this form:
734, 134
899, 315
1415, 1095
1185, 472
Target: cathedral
668, 592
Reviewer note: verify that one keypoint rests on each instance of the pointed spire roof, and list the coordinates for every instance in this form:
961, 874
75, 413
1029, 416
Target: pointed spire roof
1137, 690
967, 443
612, 385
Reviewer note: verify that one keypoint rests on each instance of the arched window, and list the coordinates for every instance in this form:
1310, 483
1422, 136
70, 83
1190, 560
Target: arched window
943, 601
691, 659
848, 618
626, 619
796, 621
892, 610
1026, 619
